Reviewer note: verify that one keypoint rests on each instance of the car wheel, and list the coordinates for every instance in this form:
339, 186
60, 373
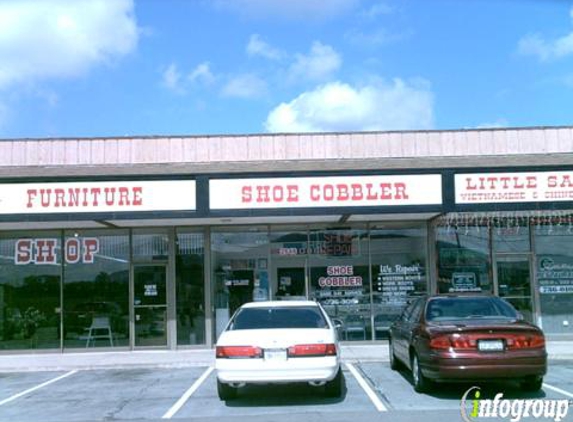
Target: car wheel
225, 391
421, 383
395, 364
334, 387
532, 384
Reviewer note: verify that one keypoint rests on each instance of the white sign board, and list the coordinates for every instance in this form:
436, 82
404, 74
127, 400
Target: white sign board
79, 197
485, 188
331, 191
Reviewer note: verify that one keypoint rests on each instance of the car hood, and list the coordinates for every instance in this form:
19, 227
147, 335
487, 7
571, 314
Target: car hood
279, 338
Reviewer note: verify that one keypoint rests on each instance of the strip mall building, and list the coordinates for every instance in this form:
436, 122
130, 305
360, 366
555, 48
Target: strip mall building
129, 243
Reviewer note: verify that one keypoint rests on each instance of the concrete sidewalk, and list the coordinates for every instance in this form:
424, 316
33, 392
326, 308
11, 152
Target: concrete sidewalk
191, 357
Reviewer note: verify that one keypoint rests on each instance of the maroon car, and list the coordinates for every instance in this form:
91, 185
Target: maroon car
467, 338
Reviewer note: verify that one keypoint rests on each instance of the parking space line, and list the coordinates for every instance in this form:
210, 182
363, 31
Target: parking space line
559, 390
30, 390
179, 404
367, 389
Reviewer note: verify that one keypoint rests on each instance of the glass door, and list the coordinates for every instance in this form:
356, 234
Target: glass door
513, 274
150, 305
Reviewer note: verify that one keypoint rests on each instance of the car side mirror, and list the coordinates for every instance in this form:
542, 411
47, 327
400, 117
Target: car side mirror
338, 325
520, 316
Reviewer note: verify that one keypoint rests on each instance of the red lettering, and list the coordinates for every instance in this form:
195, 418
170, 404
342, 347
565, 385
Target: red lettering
137, 196
45, 251
315, 193
59, 194
123, 196
343, 192
247, 194
91, 247
23, 252
109, 196
74, 197
95, 192
357, 194
31, 195
72, 250
45, 197
401, 191
263, 194
292, 195
278, 194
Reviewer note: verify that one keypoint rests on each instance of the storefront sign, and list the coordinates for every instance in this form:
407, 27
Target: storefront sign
397, 282
484, 188
43, 251
340, 276
76, 197
339, 191
555, 275
464, 282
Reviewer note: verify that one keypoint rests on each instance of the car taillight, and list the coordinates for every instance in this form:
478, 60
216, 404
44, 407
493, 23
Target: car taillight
524, 341
440, 343
240, 352
308, 350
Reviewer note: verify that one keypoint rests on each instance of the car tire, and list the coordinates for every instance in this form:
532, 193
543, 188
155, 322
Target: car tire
421, 383
395, 364
334, 387
532, 384
225, 391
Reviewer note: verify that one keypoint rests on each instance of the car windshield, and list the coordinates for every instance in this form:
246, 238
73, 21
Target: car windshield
456, 308
277, 317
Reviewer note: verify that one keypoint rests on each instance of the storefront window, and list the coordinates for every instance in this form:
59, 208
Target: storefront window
289, 257
30, 275
463, 259
554, 249
240, 270
340, 280
398, 272
150, 245
96, 289
190, 288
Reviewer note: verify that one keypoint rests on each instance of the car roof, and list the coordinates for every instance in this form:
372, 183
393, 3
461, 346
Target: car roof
279, 304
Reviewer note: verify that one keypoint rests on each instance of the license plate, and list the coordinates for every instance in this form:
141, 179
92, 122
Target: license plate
490, 345
275, 354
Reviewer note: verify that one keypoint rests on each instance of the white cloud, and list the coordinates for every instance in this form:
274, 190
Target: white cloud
245, 86
319, 64
258, 47
288, 9
341, 107
171, 79
62, 38
376, 10
545, 50
202, 74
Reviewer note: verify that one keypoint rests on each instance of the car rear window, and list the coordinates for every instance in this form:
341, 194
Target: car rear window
291, 317
455, 308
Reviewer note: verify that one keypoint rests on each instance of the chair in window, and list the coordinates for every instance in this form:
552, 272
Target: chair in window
354, 328
99, 330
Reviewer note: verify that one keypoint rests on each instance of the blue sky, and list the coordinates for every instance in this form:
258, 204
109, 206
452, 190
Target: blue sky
83, 68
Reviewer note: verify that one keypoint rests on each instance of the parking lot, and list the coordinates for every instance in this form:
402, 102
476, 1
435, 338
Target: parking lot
373, 391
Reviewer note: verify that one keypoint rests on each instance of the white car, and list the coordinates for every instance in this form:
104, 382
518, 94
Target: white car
278, 342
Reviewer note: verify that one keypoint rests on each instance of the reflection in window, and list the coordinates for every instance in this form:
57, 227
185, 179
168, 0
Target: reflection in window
96, 289
190, 289
463, 259
240, 270
30, 271
554, 249
340, 280
398, 273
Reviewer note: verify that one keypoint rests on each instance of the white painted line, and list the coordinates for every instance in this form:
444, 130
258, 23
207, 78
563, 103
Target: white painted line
367, 389
566, 393
28, 391
177, 406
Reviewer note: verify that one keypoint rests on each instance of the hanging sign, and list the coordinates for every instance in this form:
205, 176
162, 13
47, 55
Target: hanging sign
79, 197
332, 191
485, 188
